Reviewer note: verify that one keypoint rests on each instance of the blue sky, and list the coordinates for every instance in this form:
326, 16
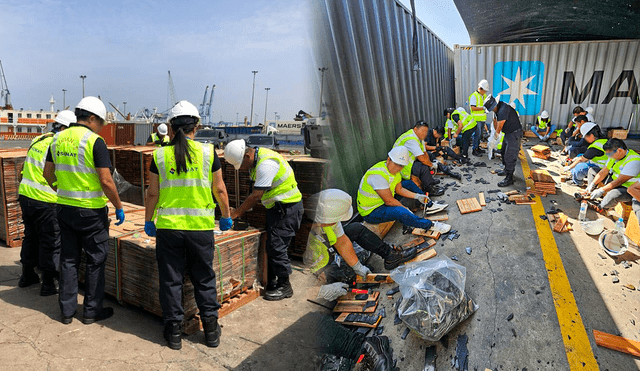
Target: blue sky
126, 47
442, 17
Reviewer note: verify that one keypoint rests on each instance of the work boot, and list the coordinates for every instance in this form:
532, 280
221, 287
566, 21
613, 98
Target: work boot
395, 258
434, 190
272, 284
29, 277
105, 313
67, 320
465, 160
507, 181
501, 172
212, 331
282, 291
173, 335
476, 152
48, 286
447, 170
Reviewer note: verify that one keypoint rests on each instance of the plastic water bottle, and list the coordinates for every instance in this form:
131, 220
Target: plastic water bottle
620, 226
583, 211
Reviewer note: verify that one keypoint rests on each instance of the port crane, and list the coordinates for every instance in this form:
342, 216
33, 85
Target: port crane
4, 90
205, 108
171, 95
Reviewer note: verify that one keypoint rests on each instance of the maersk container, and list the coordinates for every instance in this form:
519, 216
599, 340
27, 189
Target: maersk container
556, 77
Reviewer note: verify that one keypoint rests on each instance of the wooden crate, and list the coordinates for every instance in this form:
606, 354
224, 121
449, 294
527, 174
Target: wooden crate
11, 226
617, 134
469, 205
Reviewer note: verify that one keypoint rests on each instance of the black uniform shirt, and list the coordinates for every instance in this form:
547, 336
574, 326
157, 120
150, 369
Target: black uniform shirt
592, 153
430, 140
507, 113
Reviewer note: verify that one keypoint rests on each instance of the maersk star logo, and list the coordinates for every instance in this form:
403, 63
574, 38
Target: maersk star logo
520, 82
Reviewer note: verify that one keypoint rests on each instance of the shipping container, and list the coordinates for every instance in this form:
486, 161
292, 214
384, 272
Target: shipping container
556, 77
125, 134
374, 88
143, 131
108, 133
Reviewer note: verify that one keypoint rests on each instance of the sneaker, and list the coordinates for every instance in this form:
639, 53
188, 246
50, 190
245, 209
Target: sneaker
440, 227
436, 208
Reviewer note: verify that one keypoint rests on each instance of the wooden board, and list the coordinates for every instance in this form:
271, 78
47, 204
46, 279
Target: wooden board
438, 218
541, 148
237, 302
623, 210
355, 306
560, 223
412, 243
351, 296
552, 219
512, 192
425, 255
633, 229
371, 278
424, 233
381, 229
343, 316
481, 198
542, 176
468, 205
617, 343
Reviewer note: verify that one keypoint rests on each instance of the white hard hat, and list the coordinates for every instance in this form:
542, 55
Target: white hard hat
586, 128
334, 206
162, 129
399, 155
461, 109
183, 108
544, 115
589, 110
66, 118
93, 105
484, 84
234, 152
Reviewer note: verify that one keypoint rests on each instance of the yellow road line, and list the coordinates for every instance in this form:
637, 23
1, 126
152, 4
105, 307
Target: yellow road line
574, 335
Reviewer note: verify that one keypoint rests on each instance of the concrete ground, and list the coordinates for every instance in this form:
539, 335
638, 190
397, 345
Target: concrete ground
261, 335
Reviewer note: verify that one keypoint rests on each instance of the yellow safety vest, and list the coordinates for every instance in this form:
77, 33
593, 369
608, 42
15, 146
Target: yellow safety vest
78, 181
468, 122
454, 129
615, 167
479, 116
284, 187
155, 137
601, 161
404, 138
542, 126
185, 200
318, 253
500, 140
33, 184
368, 198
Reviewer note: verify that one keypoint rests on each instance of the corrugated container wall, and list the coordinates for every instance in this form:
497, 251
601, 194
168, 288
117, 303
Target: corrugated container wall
372, 93
143, 131
125, 134
556, 77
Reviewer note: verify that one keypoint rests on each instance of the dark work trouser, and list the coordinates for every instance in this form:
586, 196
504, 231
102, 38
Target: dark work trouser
283, 222
180, 251
80, 229
566, 134
511, 146
41, 243
368, 240
423, 172
466, 140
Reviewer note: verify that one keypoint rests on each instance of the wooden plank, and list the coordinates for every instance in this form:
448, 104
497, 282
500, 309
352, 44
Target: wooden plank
481, 198
375, 278
617, 343
429, 234
355, 306
633, 228
512, 192
412, 243
343, 316
351, 296
468, 205
425, 255
381, 229
438, 218
562, 220
540, 148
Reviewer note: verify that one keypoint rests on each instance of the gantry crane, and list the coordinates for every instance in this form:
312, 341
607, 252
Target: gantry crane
4, 90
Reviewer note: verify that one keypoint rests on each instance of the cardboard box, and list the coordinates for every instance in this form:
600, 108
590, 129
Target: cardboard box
623, 210
617, 134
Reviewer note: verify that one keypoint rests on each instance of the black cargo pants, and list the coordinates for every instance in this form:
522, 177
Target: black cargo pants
283, 222
511, 145
80, 229
179, 251
41, 243
368, 240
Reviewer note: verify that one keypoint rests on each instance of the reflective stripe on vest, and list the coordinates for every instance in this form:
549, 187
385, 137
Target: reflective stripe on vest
468, 122
284, 187
616, 167
478, 115
601, 161
78, 181
404, 138
155, 137
368, 198
33, 183
500, 140
185, 200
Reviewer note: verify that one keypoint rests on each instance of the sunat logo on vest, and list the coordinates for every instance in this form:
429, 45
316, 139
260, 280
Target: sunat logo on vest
520, 82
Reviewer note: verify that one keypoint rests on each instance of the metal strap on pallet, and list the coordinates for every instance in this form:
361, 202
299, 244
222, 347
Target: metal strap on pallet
220, 274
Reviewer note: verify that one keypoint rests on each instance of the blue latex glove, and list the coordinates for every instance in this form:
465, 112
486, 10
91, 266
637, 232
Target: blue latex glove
120, 216
225, 224
150, 229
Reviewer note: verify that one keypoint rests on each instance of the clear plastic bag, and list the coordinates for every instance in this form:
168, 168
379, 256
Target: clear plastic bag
433, 296
492, 143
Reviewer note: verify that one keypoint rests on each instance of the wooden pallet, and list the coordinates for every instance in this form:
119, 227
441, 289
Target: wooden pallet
438, 218
352, 296
469, 205
343, 316
425, 255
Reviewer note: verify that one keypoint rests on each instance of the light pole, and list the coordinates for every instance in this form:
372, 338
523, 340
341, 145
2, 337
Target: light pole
237, 113
64, 99
266, 101
322, 69
275, 116
252, 94
124, 110
83, 77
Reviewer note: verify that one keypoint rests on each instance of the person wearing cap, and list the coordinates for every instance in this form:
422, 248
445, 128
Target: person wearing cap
543, 128
276, 187
464, 125
328, 237
576, 144
183, 181
594, 158
161, 138
476, 109
41, 242
506, 120
569, 134
623, 167
78, 160
418, 170
379, 185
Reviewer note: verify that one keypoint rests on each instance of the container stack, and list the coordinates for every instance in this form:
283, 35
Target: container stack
11, 227
543, 183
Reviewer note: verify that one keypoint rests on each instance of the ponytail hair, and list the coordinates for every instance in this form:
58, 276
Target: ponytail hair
180, 126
